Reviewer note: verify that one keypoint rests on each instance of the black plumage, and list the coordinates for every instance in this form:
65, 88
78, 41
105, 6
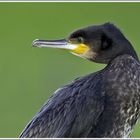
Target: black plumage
101, 104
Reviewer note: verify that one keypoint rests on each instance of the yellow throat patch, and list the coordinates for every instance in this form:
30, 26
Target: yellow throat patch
80, 49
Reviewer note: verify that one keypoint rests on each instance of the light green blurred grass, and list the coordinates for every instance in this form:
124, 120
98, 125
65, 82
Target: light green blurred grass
28, 76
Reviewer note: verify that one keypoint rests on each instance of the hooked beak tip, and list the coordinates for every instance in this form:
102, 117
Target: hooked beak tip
34, 43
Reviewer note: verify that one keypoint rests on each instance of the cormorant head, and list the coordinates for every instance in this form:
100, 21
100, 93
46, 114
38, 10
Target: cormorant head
98, 43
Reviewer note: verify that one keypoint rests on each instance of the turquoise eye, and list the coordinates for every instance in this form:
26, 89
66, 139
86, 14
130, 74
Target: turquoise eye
77, 40
80, 39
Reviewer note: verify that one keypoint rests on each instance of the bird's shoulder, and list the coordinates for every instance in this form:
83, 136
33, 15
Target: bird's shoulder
67, 105
86, 86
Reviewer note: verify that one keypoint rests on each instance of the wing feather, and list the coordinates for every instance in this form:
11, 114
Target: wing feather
72, 111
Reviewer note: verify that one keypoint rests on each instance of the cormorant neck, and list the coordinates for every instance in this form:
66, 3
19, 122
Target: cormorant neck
132, 53
128, 52
123, 57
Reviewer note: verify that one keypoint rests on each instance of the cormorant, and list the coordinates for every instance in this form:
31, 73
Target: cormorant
102, 104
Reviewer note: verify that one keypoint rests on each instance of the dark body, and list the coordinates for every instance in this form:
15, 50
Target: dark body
102, 104
100, 110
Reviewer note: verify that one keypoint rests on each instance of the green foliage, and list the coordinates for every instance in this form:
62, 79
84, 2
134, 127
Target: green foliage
28, 76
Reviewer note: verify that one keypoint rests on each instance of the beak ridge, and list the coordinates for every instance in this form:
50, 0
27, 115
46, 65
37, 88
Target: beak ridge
49, 43
61, 44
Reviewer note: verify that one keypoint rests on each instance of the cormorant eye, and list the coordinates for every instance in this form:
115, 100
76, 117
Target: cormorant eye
77, 40
80, 39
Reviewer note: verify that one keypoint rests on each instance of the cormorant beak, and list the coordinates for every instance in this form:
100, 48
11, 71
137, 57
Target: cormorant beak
77, 49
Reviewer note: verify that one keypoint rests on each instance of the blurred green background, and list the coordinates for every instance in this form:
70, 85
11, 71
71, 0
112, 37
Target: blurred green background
28, 76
